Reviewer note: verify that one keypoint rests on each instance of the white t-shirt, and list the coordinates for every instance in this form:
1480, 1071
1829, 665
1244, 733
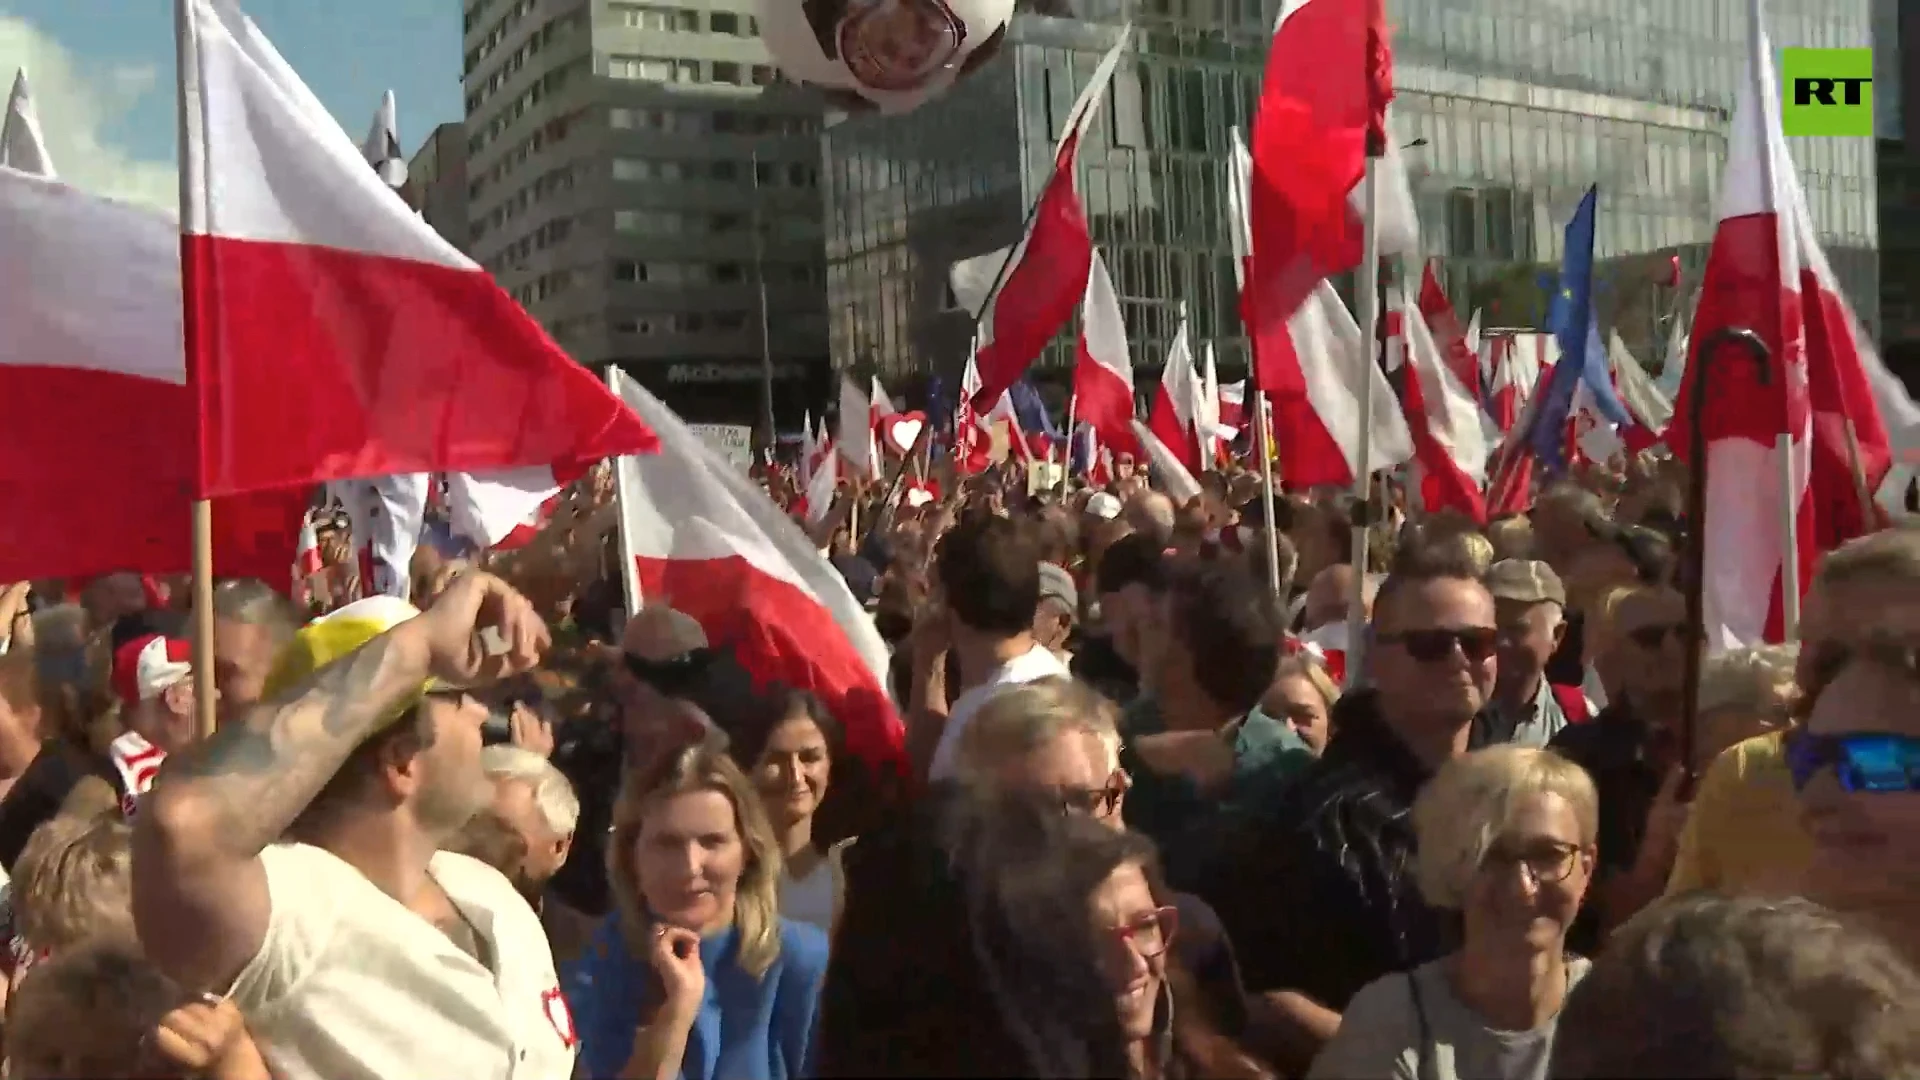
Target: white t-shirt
1036, 663
351, 985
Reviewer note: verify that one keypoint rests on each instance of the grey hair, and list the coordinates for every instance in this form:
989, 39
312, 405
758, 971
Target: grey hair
252, 602
1470, 801
1021, 719
552, 792
1758, 681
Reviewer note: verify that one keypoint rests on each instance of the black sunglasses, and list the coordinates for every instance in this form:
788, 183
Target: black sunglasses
1476, 643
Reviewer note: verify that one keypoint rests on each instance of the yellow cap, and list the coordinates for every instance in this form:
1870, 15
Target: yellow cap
334, 635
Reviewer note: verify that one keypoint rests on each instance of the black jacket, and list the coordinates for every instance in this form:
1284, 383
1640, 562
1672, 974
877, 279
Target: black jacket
1322, 900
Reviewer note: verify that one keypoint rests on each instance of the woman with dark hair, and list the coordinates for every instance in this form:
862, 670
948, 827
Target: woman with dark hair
1038, 948
789, 749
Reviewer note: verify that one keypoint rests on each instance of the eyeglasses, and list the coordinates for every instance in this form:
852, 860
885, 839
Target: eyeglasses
1547, 862
1150, 934
1099, 802
1654, 635
1866, 762
1476, 643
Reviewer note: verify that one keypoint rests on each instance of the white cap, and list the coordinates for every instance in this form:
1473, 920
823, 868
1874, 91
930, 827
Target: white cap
1104, 505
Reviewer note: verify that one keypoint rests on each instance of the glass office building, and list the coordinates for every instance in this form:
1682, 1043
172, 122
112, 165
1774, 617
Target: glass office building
1507, 109
1896, 52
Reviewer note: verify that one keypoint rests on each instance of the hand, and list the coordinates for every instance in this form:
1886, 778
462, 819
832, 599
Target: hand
530, 730
200, 1035
1665, 820
1200, 756
472, 602
676, 957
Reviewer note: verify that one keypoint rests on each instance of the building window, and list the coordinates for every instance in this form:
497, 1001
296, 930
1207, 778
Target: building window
641, 68
726, 71
726, 22
729, 272
765, 75
629, 270
650, 17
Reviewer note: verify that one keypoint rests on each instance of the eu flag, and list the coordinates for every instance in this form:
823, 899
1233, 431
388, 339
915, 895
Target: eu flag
1569, 320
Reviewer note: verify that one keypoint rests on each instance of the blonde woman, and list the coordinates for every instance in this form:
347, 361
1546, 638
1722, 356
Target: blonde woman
1302, 697
1743, 693
1506, 839
694, 974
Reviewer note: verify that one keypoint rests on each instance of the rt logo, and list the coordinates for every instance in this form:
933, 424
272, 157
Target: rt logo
1827, 92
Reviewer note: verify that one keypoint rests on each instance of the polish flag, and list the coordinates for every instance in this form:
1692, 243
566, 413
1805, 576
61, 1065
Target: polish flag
1515, 362
883, 406
307, 561
95, 475
1752, 417
823, 481
1037, 295
1103, 368
1311, 373
1175, 478
1651, 410
1323, 103
1455, 349
330, 332
1443, 418
1473, 344
972, 445
708, 542
1177, 406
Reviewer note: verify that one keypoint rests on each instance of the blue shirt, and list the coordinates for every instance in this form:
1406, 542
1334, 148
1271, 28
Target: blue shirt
747, 1028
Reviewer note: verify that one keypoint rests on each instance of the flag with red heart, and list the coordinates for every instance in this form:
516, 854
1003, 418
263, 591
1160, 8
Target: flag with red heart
919, 493
901, 431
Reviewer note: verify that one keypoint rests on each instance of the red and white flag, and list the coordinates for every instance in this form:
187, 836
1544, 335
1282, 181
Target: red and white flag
707, 541
1754, 420
1050, 263
1103, 368
1443, 418
1311, 371
330, 332
1178, 405
854, 435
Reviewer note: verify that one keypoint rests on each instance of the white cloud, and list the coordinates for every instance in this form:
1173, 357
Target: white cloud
78, 100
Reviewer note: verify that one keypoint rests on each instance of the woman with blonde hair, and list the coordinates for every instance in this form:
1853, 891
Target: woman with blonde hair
1302, 697
1506, 839
694, 974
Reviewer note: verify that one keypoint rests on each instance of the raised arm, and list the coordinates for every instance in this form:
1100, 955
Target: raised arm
199, 890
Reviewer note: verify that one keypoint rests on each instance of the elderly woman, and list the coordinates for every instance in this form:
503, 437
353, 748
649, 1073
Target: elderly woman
1506, 838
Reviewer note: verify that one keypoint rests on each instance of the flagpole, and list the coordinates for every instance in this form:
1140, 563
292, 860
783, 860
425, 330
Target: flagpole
766, 339
622, 469
1759, 60
1367, 309
1073, 407
193, 222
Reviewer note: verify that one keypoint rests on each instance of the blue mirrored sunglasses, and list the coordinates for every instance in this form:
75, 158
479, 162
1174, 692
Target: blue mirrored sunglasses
1862, 761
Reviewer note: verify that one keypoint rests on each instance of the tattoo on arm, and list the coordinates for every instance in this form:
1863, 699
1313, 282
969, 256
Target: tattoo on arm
257, 772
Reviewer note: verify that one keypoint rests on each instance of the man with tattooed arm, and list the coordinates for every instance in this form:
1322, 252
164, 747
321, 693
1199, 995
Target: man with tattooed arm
291, 861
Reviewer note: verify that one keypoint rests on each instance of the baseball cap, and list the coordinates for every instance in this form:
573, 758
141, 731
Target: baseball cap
1057, 584
336, 634
1526, 581
1104, 505
145, 666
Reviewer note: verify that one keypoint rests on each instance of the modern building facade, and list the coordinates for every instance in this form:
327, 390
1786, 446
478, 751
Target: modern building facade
437, 184
639, 177
1507, 111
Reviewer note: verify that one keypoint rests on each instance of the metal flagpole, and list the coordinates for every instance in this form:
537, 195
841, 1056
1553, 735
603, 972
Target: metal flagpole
767, 435
1367, 305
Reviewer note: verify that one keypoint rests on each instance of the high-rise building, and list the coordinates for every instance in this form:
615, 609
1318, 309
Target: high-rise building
639, 177
1896, 97
437, 184
1507, 111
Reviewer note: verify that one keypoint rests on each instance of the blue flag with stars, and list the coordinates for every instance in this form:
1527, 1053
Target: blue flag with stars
1583, 358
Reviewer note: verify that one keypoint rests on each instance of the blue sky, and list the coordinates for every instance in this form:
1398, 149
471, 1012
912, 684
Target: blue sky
102, 72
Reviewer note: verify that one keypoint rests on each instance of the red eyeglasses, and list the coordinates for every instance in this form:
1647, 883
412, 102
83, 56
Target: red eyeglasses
1149, 935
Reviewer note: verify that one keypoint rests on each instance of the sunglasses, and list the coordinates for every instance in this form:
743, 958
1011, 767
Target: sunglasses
1476, 643
1865, 762
1654, 635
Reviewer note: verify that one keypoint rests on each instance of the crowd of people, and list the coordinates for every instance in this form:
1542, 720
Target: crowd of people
1149, 823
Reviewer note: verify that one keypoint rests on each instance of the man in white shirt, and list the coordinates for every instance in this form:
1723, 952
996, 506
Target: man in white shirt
291, 860
987, 575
